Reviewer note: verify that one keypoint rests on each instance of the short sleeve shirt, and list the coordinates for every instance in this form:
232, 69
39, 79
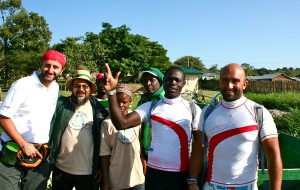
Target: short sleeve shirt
123, 146
171, 125
30, 105
232, 132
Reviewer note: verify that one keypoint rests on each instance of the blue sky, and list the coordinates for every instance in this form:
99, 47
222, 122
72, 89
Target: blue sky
262, 33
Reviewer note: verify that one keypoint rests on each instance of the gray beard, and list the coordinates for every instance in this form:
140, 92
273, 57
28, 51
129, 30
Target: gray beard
78, 100
81, 101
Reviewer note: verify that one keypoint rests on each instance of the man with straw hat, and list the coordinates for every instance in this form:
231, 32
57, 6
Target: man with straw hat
75, 135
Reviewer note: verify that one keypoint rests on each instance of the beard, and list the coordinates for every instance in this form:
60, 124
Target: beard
44, 76
79, 100
231, 96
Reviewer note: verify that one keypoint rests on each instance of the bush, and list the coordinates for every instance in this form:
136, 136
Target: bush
290, 122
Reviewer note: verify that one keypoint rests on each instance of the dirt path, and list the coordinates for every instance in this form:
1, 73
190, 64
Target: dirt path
135, 87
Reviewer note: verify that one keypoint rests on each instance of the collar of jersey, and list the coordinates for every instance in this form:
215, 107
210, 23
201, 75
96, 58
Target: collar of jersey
173, 100
235, 103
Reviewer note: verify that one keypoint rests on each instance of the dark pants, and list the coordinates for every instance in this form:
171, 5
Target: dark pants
164, 180
17, 177
62, 180
137, 187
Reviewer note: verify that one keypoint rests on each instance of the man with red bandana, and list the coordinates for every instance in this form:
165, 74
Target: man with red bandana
25, 117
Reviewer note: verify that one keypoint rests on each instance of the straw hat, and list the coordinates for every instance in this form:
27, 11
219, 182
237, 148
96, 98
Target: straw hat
82, 74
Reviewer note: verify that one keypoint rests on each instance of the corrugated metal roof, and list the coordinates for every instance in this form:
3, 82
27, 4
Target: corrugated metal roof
267, 76
188, 70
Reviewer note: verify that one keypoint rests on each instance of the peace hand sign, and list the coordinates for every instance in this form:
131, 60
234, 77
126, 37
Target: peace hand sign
111, 82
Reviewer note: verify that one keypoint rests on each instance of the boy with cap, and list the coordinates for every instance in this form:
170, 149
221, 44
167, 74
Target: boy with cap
120, 150
25, 116
75, 135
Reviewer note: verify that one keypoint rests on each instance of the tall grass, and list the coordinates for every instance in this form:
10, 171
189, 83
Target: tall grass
280, 101
290, 102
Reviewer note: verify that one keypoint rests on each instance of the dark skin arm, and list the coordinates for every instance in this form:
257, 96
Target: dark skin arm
99, 175
143, 160
121, 122
105, 162
272, 152
196, 160
10, 129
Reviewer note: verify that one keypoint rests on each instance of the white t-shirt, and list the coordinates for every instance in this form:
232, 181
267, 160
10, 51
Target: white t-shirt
232, 132
171, 133
30, 105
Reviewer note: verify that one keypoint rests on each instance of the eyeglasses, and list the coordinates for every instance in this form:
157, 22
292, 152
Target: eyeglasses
84, 86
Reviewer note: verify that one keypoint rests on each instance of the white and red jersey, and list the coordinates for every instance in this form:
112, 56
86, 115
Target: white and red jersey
232, 133
170, 133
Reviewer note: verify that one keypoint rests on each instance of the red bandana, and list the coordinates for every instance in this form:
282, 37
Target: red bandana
100, 76
55, 56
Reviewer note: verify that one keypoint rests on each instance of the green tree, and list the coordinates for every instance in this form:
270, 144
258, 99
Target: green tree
123, 51
130, 53
214, 68
191, 62
262, 71
6, 7
158, 57
21, 32
120, 50
78, 54
248, 69
21, 63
